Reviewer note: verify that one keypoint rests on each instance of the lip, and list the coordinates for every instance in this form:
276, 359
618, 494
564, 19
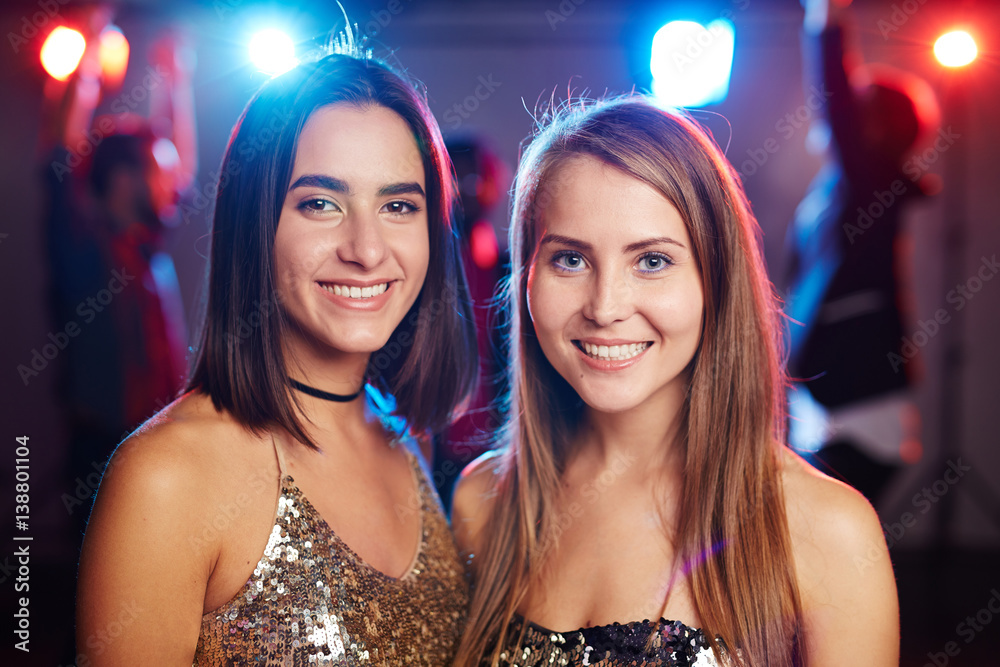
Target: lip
610, 341
369, 304
610, 365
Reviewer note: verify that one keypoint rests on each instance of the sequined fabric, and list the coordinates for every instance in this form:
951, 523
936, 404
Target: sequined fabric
313, 601
616, 645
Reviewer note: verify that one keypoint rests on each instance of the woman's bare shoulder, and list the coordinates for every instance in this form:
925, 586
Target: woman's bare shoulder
472, 499
822, 511
842, 565
143, 542
186, 446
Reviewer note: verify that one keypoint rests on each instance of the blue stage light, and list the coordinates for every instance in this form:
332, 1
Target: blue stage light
273, 52
691, 63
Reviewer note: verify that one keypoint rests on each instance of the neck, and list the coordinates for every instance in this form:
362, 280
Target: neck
334, 372
646, 434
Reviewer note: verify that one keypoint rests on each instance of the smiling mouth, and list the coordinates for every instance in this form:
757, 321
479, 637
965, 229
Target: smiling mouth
353, 292
612, 352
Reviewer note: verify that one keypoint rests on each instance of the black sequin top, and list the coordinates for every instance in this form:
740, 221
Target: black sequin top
616, 645
312, 601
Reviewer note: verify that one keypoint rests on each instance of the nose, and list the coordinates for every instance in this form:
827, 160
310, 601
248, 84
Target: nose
363, 244
608, 301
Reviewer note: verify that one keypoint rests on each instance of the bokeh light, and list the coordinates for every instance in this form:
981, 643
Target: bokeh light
62, 51
955, 49
272, 52
113, 55
691, 63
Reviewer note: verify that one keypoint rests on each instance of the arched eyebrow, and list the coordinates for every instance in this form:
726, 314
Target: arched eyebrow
566, 240
401, 189
648, 243
586, 247
337, 185
321, 181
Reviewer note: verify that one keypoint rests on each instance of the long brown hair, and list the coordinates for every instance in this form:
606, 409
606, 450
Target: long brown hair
429, 363
731, 520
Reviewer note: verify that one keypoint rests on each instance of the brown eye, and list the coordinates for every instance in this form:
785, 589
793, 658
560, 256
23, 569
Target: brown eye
400, 208
318, 205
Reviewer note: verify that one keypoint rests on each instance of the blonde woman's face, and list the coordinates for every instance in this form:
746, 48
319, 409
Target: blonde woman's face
614, 291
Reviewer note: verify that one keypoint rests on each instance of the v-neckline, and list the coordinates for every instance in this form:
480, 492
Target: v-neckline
325, 525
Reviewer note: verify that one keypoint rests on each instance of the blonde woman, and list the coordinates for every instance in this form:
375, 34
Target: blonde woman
643, 509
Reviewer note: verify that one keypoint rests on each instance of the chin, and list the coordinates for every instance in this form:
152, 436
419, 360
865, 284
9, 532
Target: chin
361, 346
610, 400
610, 406
332, 343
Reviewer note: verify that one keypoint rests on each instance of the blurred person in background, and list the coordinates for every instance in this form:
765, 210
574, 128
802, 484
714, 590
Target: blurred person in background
113, 183
849, 295
481, 177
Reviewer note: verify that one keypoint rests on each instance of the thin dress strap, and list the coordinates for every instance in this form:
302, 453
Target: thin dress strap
279, 457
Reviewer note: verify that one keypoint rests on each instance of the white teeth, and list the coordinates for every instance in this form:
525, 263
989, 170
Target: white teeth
356, 292
615, 352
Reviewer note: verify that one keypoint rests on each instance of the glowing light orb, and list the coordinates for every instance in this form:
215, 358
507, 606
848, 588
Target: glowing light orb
273, 52
62, 51
691, 63
113, 54
955, 49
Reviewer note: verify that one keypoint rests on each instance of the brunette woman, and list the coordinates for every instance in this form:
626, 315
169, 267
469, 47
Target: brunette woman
279, 512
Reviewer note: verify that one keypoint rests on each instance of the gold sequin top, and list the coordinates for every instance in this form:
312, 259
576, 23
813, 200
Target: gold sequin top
312, 601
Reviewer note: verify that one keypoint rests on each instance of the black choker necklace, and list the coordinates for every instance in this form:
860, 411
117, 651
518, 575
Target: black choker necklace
325, 395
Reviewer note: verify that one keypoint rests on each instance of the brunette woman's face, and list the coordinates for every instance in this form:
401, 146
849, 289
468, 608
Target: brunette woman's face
614, 291
352, 247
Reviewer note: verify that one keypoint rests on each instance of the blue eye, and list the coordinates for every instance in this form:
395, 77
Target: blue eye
568, 261
653, 262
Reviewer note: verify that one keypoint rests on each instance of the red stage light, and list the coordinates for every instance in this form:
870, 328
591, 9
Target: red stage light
955, 49
62, 51
114, 56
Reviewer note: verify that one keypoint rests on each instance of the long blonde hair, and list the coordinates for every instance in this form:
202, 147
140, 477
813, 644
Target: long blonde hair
731, 519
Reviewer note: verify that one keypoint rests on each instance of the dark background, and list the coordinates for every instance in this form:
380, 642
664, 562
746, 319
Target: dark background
947, 563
